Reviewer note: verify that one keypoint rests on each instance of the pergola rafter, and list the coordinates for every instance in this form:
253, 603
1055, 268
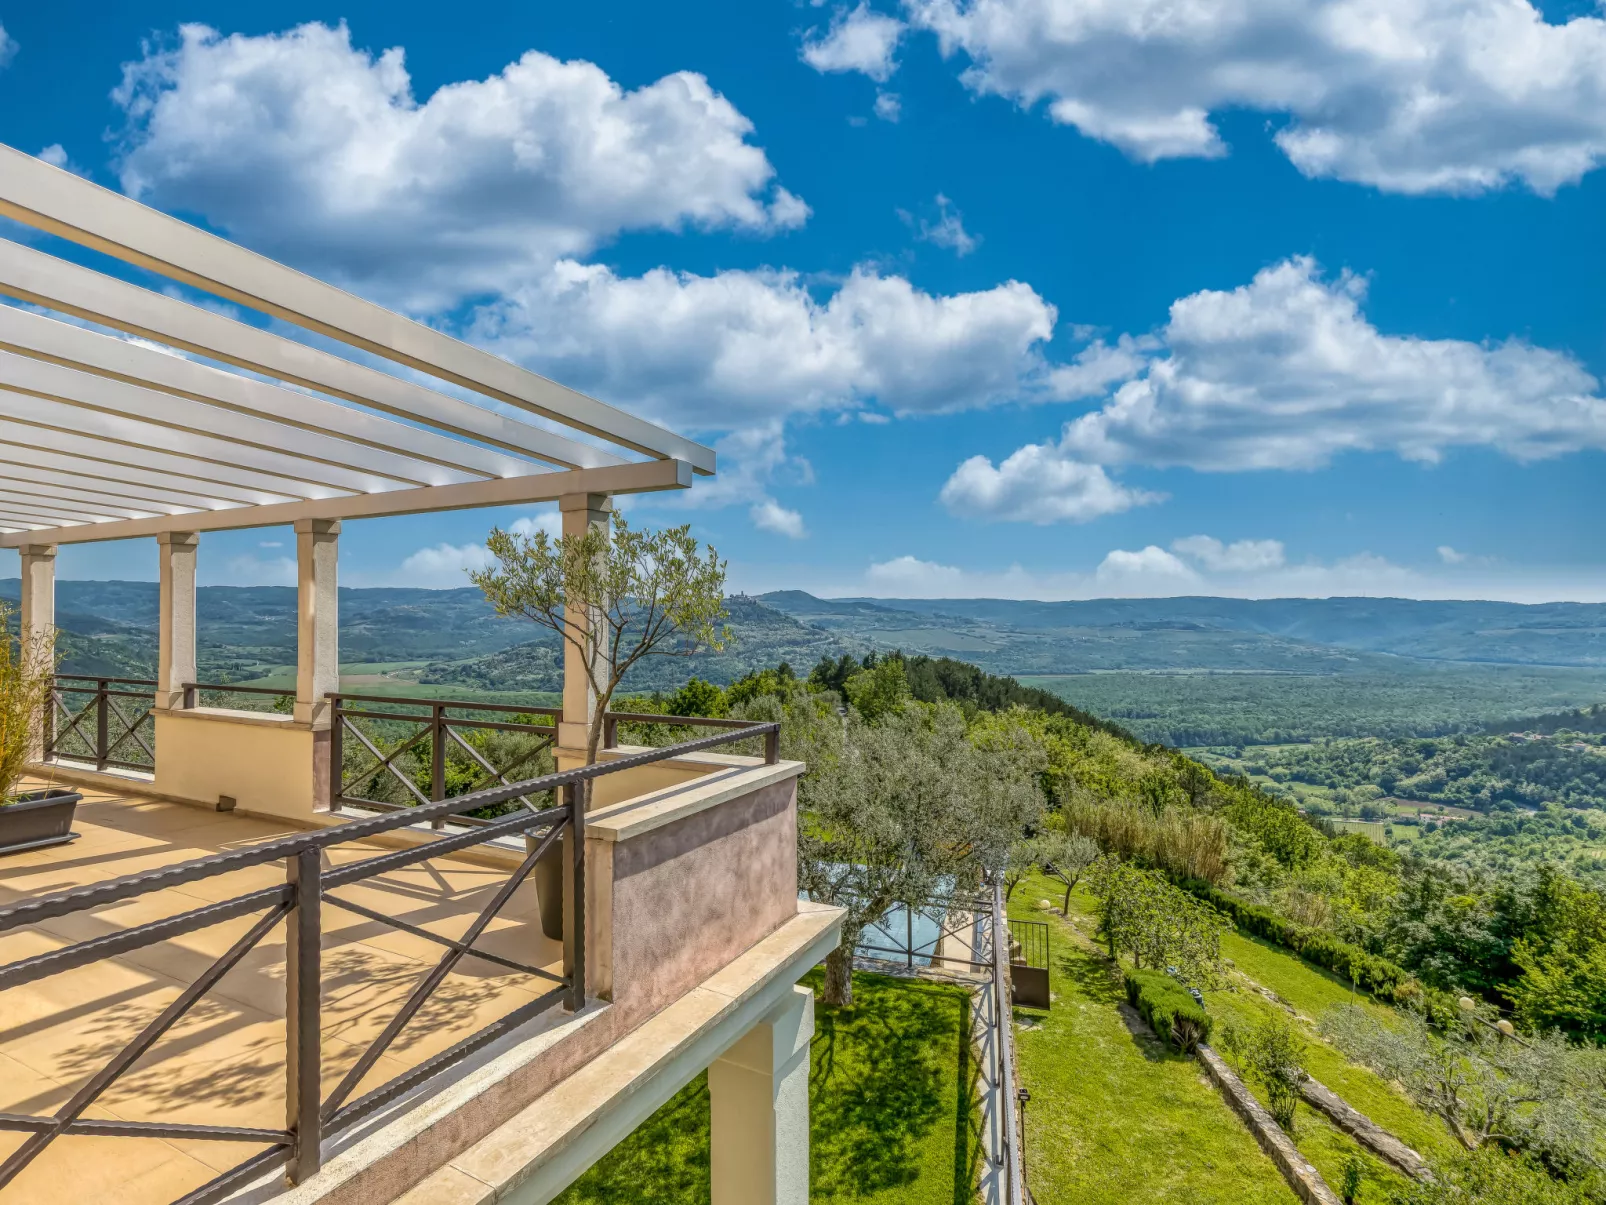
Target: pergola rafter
106, 433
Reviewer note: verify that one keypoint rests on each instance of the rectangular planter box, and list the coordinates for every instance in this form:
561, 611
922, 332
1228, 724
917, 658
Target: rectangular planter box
38, 819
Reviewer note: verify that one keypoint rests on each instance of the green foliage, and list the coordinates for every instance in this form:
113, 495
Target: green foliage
1538, 1094
1354, 1175
614, 596
27, 669
1171, 1012
1490, 1176
696, 698
1366, 971
1562, 954
878, 691
1156, 925
1272, 1053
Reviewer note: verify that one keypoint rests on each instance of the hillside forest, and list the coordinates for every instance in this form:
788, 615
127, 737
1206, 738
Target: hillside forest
1415, 934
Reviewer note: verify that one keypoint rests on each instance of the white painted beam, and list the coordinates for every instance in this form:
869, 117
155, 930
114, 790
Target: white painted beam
100, 456
137, 436
646, 477
74, 347
61, 512
16, 464
20, 484
68, 288
57, 383
48, 198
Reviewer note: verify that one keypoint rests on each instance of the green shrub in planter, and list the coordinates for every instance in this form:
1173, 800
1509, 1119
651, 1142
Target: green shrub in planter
1168, 1008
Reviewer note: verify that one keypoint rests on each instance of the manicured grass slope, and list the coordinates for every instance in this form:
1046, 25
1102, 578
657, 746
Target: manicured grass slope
1115, 1118
1310, 991
893, 1109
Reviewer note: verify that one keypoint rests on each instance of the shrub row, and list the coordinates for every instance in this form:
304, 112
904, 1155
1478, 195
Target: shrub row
1368, 971
1168, 1008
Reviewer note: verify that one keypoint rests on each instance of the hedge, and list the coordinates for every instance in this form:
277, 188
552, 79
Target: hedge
1168, 1008
1365, 970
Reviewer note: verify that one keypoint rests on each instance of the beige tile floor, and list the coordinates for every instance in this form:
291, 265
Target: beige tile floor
223, 1063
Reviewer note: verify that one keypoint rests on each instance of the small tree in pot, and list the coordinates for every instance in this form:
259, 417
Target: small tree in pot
27, 677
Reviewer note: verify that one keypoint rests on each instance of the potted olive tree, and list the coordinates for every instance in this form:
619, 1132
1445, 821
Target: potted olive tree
34, 819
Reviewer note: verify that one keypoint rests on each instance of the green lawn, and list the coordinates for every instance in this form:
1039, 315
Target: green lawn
893, 1108
1116, 1118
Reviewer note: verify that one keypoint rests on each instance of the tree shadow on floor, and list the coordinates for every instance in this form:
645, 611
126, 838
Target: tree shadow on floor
1091, 975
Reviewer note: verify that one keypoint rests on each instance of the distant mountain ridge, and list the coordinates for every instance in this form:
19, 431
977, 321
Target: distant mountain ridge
453, 636
1271, 631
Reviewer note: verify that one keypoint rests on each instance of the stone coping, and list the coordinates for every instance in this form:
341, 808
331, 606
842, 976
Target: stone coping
631, 818
231, 715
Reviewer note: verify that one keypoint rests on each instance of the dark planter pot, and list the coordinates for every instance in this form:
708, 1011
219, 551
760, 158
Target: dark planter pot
38, 819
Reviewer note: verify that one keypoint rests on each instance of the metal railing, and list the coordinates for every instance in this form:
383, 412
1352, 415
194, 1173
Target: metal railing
954, 918
1028, 943
413, 738
313, 1118
99, 728
1010, 1152
425, 736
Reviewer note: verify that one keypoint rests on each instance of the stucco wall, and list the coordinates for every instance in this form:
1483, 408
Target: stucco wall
268, 764
692, 895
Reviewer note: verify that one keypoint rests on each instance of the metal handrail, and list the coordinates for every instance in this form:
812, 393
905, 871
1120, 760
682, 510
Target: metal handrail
1003, 1010
313, 1117
192, 689
61, 722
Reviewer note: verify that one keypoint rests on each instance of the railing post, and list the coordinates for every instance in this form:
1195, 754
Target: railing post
303, 1008
772, 746
909, 934
610, 732
102, 732
337, 753
437, 759
577, 910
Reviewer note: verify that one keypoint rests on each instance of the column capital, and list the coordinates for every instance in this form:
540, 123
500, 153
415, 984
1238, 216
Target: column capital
183, 539
599, 502
38, 550
317, 527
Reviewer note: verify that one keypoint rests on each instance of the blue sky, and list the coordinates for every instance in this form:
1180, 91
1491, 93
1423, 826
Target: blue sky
1034, 298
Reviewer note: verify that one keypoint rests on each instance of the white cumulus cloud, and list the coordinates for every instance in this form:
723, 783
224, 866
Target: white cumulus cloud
1286, 372
1450, 556
770, 515
1149, 568
909, 577
858, 40
314, 150
1037, 484
1411, 96
1241, 556
947, 230
8, 46
743, 347
444, 565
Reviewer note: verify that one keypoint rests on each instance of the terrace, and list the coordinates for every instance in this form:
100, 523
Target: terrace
273, 965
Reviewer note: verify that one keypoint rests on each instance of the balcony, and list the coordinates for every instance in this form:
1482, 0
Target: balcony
165, 974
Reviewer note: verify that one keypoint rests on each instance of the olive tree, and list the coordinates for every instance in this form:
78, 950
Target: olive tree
27, 678
1539, 1094
616, 597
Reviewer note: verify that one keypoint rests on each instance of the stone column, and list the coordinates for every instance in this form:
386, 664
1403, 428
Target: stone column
175, 645
581, 513
759, 1095
317, 619
37, 621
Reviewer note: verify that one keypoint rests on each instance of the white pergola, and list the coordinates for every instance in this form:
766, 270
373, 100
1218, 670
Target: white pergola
172, 419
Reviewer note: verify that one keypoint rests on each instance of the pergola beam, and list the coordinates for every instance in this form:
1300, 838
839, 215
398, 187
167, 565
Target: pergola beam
13, 468
93, 455
138, 436
645, 477
73, 347
70, 387
48, 198
69, 288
